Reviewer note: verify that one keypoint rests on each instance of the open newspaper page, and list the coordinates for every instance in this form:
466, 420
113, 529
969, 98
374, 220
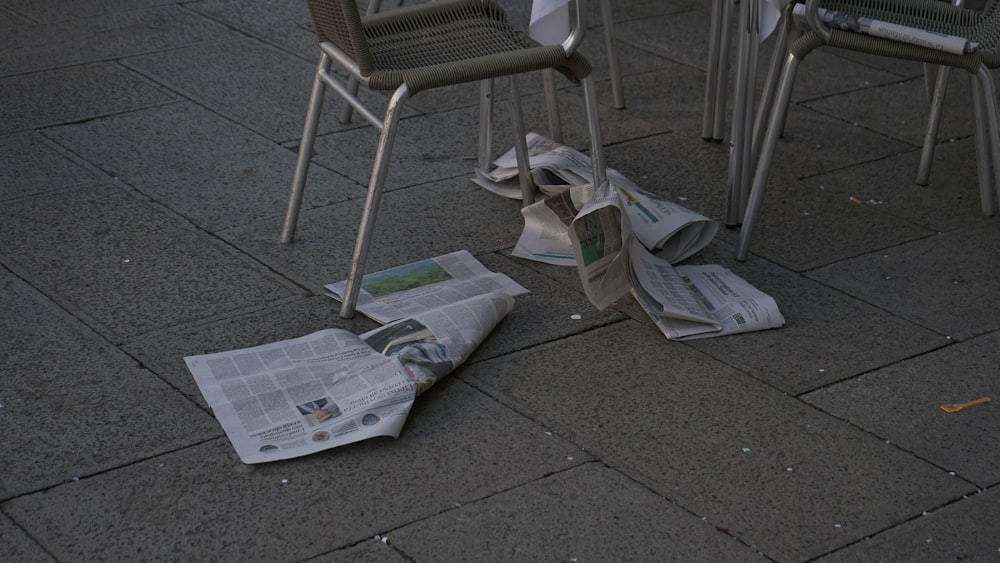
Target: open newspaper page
689, 302
295, 397
598, 234
414, 288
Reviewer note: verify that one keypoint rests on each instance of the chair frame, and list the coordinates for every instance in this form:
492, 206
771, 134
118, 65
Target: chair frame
388, 125
984, 103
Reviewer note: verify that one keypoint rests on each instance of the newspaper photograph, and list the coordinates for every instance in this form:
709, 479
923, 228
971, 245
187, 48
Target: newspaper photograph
689, 302
330, 388
598, 234
411, 289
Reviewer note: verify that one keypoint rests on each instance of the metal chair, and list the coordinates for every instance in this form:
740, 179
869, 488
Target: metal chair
981, 28
408, 50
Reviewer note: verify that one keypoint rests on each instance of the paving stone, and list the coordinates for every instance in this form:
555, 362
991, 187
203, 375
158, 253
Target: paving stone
944, 282
126, 265
199, 164
49, 11
799, 357
371, 551
96, 90
17, 546
949, 201
91, 407
900, 403
963, 531
413, 224
801, 226
899, 109
749, 459
268, 91
284, 24
554, 519
33, 164
103, 37
458, 446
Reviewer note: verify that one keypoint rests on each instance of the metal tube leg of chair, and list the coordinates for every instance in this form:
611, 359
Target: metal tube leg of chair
722, 85
734, 209
771, 82
748, 114
982, 153
933, 125
552, 104
305, 153
372, 201
989, 105
347, 112
520, 144
768, 147
486, 125
594, 129
712, 71
614, 65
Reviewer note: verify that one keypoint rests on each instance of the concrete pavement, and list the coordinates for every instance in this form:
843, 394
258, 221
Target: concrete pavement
147, 148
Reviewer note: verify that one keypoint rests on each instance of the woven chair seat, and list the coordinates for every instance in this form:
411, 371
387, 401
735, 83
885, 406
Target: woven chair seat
452, 42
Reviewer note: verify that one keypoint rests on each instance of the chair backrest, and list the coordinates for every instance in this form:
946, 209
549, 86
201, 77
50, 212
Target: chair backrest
339, 22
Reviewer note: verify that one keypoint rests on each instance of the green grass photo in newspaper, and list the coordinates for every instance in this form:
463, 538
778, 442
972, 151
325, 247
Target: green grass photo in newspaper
402, 278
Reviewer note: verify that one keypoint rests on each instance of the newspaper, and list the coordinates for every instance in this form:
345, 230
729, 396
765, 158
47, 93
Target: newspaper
554, 168
685, 303
330, 388
689, 302
953, 44
664, 226
411, 289
611, 234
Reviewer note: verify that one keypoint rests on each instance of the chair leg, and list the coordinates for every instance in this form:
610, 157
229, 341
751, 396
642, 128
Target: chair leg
767, 153
594, 129
611, 45
722, 86
782, 35
739, 164
933, 124
486, 125
352, 83
712, 71
305, 152
520, 144
551, 104
989, 109
372, 201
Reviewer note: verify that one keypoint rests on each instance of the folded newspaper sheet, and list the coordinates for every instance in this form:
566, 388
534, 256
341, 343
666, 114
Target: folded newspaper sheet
414, 288
329, 388
689, 302
610, 235
685, 303
670, 229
